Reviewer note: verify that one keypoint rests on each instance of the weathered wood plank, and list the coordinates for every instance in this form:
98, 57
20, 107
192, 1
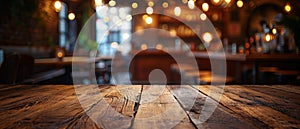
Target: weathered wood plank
193, 103
284, 95
280, 104
48, 107
115, 108
58, 107
288, 88
254, 106
159, 109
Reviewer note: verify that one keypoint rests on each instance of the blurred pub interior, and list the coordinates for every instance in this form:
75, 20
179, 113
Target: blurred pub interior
38, 38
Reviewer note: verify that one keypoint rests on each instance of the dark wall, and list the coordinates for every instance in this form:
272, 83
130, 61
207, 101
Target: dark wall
28, 22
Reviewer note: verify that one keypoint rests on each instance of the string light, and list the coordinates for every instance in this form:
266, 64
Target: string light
227, 1
57, 6
177, 11
287, 7
165, 4
129, 17
274, 31
149, 10
240, 3
134, 5
205, 7
144, 46
159, 47
268, 38
71, 16
215, 2
98, 3
114, 45
207, 37
203, 16
150, 4
112, 3
149, 20
191, 4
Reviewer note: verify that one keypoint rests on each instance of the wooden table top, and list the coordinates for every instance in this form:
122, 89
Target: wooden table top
144, 106
70, 60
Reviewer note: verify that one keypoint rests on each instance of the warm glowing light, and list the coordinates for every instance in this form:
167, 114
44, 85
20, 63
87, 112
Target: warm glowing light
215, 16
149, 10
114, 45
189, 17
240, 3
274, 31
125, 36
134, 5
57, 6
165, 4
148, 20
173, 32
144, 46
106, 19
207, 37
177, 11
112, 3
205, 7
159, 47
268, 38
191, 4
71, 16
203, 16
287, 7
184, 1
150, 4
139, 30
128, 17
60, 54
145, 16
216, 2
98, 2
227, 1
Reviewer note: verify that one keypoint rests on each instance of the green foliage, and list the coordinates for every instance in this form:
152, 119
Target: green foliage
86, 43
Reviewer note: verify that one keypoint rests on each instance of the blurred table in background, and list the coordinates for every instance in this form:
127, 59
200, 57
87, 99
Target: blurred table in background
86, 63
238, 62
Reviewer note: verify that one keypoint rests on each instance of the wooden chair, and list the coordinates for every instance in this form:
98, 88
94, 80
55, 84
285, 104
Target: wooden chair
16, 67
25, 67
9, 68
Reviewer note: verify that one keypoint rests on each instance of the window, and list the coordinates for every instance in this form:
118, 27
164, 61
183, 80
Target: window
115, 23
63, 25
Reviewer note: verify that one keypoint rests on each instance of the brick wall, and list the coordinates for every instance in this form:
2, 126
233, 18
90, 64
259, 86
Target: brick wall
28, 22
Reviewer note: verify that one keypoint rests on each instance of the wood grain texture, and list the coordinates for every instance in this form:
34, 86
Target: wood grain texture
197, 106
159, 109
262, 110
136, 106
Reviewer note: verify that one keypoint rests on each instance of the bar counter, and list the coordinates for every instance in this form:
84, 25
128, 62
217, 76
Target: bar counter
145, 106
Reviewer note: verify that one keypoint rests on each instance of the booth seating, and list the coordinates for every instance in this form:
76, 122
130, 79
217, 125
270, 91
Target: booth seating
19, 68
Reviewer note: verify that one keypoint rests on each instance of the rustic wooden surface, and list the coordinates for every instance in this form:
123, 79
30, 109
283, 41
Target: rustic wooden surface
144, 106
